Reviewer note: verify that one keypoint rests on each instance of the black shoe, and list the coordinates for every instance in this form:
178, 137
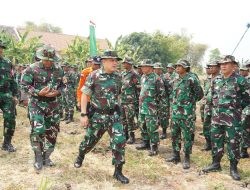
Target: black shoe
7, 146
186, 162
215, 166
163, 136
78, 162
234, 171
153, 151
38, 165
131, 139
244, 153
46, 158
119, 176
208, 145
143, 146
175, 158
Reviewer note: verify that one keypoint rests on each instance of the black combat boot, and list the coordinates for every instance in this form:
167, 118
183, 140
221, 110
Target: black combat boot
233, 170
70, 119
46, 158
153, 150
144, 145
175, 158
208, 145
65, 118
79, 160
215, 166
244, 153
118, 174
7, 146
186, 162
131, 139
38, 165
164, 134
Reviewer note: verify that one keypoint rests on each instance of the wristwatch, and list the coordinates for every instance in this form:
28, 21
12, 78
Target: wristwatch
84, 114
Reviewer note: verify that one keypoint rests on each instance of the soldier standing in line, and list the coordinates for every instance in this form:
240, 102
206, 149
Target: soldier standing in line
214, 71
8, 99
163, 115
245, 142
129, 98
230, 94
186, 92
103, 87
69, 82
152, 97
43, 81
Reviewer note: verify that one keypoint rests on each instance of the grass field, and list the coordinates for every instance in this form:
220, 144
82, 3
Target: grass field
144, 172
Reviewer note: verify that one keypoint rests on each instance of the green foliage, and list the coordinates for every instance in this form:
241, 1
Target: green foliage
21, 51
43, 27
77, 52
44, 185
214, 55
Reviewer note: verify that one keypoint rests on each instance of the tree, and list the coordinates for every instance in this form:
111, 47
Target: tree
214, 55
43, 27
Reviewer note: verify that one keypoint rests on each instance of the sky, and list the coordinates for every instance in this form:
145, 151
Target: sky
216, 23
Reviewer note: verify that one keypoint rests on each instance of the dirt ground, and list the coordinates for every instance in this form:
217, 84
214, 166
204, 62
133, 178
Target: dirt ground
144, 172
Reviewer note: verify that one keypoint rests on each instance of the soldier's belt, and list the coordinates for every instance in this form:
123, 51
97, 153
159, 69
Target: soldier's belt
104, 111
44, 99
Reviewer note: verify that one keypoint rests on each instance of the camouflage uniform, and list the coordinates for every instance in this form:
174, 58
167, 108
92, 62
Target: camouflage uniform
152, 97
129, 100
8, 89
43, 111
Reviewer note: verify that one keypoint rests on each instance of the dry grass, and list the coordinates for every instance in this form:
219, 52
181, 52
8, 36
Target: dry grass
17, 171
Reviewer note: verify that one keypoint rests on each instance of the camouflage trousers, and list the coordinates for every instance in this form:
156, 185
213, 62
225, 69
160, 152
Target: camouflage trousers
7, 105
229, 135
149, 128
186, 128
98, 125
202, 107
128, 115
164, 119
245, 143
61, 102
69, 106
207, 126
44, 119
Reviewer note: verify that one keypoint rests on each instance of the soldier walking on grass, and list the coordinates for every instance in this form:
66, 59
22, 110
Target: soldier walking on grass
230, 94
103, 87
43, 81
8, 99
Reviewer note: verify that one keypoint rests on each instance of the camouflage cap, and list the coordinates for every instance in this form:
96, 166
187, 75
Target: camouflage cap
147, 62
96, 60
158, 65
2, 45
128, 60
65, 64
247, 63
170, 65
90, 59
47, 52
107, 54
228, 59
184, 63
213, 63
244, 68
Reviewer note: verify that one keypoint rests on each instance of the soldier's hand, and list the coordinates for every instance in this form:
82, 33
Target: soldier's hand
44, 91
52, 93
84, 121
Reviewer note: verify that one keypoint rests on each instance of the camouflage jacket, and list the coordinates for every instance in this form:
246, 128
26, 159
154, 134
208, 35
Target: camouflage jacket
103, 89
69, 80
186, 92
229, 97
167, 86
130, 87
36, 77
152, 95
7, 80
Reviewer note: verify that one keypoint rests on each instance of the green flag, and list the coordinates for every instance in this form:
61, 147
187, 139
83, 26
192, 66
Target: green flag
92, 40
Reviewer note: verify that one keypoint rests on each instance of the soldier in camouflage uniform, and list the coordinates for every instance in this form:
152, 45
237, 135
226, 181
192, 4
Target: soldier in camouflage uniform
43, 81
186, 92
152, 97
230, 94
8, 99
103, 87
245, 142
69, 93
129, 99
214, 71
163, 115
